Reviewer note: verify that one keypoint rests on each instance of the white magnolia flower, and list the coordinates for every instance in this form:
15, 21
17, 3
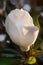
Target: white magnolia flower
19, 25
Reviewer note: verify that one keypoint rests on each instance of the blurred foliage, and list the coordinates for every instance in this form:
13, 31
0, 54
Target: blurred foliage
9, 61
31, 60
37, 43
11, 54
35, 16
1, 3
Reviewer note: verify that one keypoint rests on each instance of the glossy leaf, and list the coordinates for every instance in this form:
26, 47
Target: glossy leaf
36, 52
37, 43
10, 51
35, 16
9, 61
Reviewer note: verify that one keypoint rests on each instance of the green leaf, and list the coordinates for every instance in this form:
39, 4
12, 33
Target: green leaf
31, 60
37, 43
9, 61
33, 49
10, 51
36, 52
9, 56
36, 23
35, 16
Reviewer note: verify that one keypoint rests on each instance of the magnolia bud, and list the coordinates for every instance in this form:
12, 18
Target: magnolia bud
19, 26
